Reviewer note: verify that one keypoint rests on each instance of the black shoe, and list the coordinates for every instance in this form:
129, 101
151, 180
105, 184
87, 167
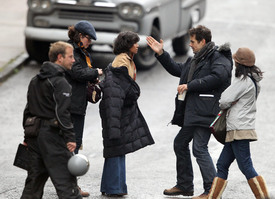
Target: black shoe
83, 193
114, 195
176, 191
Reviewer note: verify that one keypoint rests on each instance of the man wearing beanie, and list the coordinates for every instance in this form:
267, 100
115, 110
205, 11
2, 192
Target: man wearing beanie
203, 78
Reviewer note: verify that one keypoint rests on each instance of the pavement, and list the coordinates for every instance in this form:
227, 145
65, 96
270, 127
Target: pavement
13, 15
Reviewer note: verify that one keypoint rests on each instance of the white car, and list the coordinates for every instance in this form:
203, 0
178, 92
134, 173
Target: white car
48, 21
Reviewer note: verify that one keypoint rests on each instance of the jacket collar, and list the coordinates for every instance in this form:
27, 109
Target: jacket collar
49, 69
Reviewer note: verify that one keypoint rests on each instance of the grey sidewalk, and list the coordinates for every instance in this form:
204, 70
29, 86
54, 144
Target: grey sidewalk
13, 15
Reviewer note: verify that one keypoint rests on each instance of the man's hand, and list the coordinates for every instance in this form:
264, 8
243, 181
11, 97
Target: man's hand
181, 88
155, 45
71, 146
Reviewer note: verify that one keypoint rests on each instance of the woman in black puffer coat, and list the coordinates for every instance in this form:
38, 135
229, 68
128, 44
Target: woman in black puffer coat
124, 128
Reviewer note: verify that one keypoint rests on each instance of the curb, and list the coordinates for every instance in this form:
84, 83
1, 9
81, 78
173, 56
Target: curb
12, 68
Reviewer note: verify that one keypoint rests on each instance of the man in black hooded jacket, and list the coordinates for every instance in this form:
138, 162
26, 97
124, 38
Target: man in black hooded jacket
203, 78
50, 144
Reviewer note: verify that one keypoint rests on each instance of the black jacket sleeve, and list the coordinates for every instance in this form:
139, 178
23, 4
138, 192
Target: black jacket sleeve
81, 72
26, 114
169, 64
62, 97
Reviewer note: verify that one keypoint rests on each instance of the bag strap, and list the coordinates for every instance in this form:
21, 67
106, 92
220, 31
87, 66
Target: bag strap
254, 81
218, 116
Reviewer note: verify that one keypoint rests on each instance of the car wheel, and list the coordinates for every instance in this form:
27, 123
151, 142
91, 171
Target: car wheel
37, 50
145, 58
181, 44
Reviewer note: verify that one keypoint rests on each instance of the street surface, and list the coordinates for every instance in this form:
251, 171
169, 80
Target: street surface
246, 23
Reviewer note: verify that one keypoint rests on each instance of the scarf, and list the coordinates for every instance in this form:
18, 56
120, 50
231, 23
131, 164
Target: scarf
87, 54
198, 57
135, 69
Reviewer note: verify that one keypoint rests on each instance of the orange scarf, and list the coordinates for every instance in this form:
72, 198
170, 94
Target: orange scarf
135, 69
87, 55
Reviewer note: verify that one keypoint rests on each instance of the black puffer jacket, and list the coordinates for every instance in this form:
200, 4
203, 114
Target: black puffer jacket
49, 97
124, 127
78, 77
211, 77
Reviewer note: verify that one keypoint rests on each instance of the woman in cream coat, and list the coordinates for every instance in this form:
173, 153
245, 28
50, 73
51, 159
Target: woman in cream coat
124, 129
240, 101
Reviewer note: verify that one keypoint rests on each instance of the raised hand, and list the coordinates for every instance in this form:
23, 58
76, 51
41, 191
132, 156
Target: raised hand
156, 46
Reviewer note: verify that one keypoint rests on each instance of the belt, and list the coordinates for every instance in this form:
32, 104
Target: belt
50, 122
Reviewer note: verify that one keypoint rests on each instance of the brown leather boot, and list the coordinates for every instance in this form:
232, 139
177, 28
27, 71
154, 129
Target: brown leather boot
217, 188
258, 187
83, 193
176, 191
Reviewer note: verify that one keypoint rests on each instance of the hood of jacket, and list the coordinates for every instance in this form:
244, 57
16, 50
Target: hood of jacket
49, 69
257, 77
223, 49
118, 70
226, 51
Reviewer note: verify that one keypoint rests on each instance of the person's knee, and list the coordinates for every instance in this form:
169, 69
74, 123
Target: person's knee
180, 145
200, 146
248, 171
177, 146
221, 167
200, 150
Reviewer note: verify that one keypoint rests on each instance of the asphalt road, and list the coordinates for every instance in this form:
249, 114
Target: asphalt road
249, 23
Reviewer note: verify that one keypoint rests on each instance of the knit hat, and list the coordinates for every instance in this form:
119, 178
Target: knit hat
86, 28
244, 56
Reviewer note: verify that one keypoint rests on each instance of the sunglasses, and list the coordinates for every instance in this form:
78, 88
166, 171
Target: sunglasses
88, 37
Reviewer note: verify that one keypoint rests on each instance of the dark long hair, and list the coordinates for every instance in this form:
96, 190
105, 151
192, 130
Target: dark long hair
247, 70
125, 41
73, 34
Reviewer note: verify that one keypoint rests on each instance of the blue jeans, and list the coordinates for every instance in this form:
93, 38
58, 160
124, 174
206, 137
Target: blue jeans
239, 150
200, 136
113, 179
78, 121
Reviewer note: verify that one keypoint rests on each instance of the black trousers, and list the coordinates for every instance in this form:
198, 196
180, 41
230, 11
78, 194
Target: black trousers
200, 137
78, 121
49, 158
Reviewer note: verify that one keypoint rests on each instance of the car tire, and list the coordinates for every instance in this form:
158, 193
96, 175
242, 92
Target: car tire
37, 50
145, 58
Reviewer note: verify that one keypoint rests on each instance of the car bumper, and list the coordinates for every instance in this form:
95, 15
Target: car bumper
50, 35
